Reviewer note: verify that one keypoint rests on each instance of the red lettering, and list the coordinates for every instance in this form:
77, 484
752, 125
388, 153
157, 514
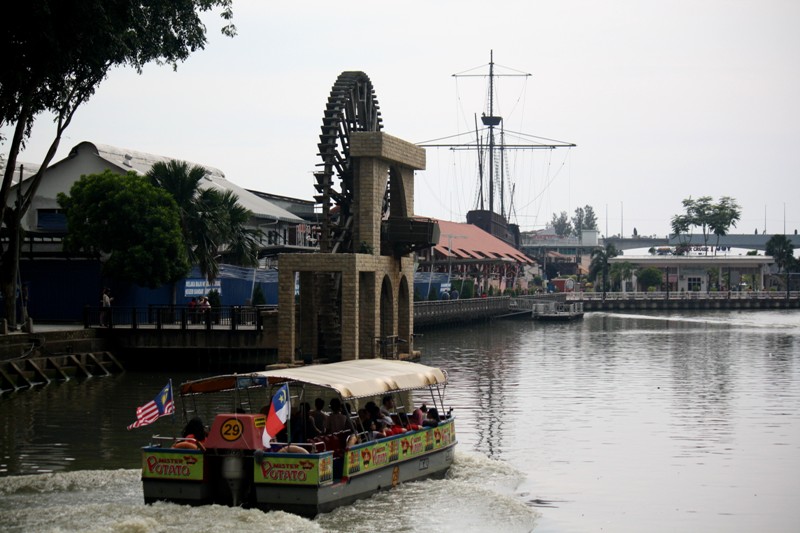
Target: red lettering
167, 467
282, 472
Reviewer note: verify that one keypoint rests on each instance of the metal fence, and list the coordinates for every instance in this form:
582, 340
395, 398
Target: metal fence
175, 317
673, 295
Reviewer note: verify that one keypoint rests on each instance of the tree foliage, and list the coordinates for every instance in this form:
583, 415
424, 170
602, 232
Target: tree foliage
599, 264
132, 225
561, 224
56, 56
723, 215
649, 277
782, 251
212, 222
584, 219
619, 273
56, 59
710, 218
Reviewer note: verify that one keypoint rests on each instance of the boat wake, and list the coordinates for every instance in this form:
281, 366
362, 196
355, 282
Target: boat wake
743, 320
476, 492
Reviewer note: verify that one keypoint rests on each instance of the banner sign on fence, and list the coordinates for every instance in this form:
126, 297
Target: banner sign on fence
201, 287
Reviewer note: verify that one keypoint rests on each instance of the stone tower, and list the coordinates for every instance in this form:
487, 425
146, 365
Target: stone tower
374, 285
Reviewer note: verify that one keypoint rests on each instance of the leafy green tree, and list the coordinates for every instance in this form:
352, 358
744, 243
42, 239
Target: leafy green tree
782, 251
55, 60
561, 224
699, 211
680, 225
649, 277
258, 295
468, 289
213, 222
599, 264
723, 215
711, 218
133, 226
584, 219
433, 294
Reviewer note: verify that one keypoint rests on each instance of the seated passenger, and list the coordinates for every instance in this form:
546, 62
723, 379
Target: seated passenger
376, 414
193, 435
320, 417
418, 416
377, 430
337, 420
387, 406
433, 418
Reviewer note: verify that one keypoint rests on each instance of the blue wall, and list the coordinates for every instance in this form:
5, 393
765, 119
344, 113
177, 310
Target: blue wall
60, 289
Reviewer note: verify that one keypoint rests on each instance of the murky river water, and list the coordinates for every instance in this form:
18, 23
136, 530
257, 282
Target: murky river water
662, 422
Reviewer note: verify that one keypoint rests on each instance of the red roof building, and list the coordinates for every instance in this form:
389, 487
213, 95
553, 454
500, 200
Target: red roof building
466, 251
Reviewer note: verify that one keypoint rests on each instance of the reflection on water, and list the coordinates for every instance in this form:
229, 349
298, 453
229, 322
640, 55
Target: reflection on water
638, 422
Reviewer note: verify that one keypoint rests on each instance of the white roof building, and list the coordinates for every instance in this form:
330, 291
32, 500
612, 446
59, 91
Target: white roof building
92, 158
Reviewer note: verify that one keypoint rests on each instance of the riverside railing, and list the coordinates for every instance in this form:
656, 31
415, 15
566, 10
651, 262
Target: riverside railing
175, 317
673, 295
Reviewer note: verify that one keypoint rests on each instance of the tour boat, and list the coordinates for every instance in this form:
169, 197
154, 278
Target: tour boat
234, 467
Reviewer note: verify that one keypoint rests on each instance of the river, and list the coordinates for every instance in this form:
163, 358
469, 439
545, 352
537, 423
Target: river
640, 422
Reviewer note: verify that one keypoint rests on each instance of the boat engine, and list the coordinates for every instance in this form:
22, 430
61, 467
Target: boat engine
231, 444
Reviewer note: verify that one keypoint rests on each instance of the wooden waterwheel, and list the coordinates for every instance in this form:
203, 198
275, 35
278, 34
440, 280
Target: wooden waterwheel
352, 106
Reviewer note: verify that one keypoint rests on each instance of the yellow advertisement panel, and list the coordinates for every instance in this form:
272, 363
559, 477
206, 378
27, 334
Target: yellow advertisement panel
294, 469
173, 464
371, 456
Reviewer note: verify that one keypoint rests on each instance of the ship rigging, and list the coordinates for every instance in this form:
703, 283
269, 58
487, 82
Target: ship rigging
491, 150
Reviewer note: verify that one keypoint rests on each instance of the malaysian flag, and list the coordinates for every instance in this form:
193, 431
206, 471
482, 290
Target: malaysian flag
159, 406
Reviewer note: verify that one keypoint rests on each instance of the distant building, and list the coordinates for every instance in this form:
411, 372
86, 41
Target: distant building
703, 271
45, 219
60, 284
560, 256
466, 252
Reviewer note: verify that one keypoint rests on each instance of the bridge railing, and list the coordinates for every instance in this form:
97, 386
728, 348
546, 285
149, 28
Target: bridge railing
672, 295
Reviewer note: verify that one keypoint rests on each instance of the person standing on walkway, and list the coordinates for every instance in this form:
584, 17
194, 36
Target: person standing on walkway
105, 302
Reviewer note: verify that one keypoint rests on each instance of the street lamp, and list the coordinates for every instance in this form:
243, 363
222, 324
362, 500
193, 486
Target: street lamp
450, 238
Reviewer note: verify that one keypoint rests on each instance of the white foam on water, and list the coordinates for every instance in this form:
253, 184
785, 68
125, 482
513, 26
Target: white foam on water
476, 491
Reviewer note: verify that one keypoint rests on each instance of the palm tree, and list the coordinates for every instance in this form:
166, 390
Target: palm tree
213, 222
620, 272
241, 242
599, 264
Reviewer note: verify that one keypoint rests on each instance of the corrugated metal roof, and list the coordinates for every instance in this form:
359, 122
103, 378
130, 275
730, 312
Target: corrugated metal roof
141, 162
28, 170
465, 240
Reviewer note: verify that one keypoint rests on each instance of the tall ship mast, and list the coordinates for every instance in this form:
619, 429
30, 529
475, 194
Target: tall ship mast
491, 213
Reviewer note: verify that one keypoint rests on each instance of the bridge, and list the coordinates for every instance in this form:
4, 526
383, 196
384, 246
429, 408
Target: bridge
751, 241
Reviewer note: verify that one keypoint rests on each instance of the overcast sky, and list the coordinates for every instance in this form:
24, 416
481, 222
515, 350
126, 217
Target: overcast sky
665, 100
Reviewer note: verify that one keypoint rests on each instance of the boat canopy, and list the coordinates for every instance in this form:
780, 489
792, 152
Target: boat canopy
359, 378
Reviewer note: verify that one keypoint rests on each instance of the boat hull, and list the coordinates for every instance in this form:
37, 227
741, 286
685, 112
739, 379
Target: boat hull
310, 501
299, 483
